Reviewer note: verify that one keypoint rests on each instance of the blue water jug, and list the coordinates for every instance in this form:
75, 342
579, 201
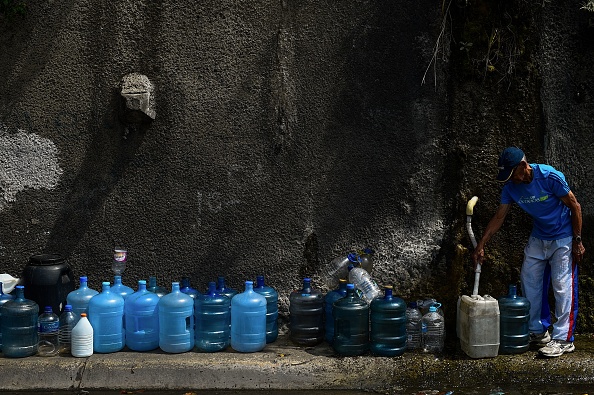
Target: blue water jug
19, 326
351, 324
187, 288
142, 319
514, 314
388, 325
212, 317
3, 299
248, 320
176, 321
271, 308
79, 299
106, 315
119, 288
306, 315
153, 287
329, 300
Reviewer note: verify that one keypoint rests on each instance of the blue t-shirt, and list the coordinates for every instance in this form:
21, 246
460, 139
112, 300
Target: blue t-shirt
541, 200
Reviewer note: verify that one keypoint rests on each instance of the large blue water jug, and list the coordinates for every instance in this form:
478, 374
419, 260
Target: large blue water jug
388, 325
351, 324
79, 299
213, 317
514, 314
329, 300
176, 321
306, 315
3, 299
119, 288
271, 308
19, 326
187, 288
142, 319
153, 287
229, 292
248, 320
106, 315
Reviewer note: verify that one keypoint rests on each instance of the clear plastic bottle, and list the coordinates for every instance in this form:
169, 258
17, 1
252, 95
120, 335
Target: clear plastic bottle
82, 338
48, 335
19, 326
329, 300
364, 283
414, 327
80, 297
338, 268
306, 314
67, 322
118, 265
248, 320
271, 308
433, 331
153, 287
366, 258
119, 288
3, 299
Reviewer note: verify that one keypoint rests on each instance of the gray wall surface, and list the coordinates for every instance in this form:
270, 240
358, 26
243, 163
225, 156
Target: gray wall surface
286, 133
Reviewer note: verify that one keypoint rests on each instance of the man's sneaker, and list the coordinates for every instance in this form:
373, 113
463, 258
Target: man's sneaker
556, 348
540, 339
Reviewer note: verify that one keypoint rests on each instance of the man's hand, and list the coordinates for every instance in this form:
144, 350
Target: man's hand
478, 255
578, 250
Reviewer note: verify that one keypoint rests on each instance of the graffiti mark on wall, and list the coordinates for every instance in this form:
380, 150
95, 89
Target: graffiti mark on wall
26, 161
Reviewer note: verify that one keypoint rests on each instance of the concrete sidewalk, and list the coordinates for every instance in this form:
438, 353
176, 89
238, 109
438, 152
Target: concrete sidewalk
282, 365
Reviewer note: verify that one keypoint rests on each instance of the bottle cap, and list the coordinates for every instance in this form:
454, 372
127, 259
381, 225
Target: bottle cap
83, 314
350, 286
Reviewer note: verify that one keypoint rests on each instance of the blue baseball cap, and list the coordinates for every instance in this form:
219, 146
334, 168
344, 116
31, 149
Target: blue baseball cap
509, 159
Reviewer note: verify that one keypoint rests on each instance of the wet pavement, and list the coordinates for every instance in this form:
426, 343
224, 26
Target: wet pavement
284, 366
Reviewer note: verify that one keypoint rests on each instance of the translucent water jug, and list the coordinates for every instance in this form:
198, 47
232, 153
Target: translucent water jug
153, 287
388, 325
514, 318
48, 279
414, 327
329, 300
106, 315
364, 283
351, 324
82, 338
212, 318
141, 317
433, 331
176, 321
187, 288
306, 315
3, 299
248, 320
80, 297
366, 259
119, 288
338, 268
19, 326
48, 344
67, 322
224, 289
271, 308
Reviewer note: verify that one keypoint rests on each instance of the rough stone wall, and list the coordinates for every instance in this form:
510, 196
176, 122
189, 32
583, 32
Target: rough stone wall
286, 133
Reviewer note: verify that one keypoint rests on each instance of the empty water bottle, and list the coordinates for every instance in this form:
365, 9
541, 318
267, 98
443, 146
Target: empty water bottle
414, 327
82, 338
248, 320
48, 334
338, 268
80, 297
351, 324
212, 318
67, 322
176, 321
19, 326
306, 314
106, 315
514, 316
118, 265
329, 300
433, 331
142, 319
388, 325
187, 288
119, 288
153, 287
364, 283
271, 308
366, 259
3, 299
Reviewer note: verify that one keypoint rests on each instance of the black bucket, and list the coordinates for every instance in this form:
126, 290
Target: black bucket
48, 280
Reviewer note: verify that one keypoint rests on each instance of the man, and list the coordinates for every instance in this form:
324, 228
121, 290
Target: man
556, 240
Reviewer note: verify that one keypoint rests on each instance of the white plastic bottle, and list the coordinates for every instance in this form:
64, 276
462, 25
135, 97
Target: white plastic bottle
82, 338
364, 283
433, 331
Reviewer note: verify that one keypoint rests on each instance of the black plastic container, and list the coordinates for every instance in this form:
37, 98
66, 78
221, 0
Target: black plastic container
48, 280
